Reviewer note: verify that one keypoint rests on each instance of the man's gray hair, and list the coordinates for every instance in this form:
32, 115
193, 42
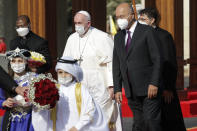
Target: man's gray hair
85, 13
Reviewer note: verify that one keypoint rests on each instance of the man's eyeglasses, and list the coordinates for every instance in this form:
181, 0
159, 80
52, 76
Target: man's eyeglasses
143, 19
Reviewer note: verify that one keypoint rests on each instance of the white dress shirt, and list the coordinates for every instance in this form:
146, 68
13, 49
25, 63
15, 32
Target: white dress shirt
132, 29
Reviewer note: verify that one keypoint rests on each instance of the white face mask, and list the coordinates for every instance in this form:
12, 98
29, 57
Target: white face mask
65, 80
80, 29
22, 31
122, 23
142, 22
18, 68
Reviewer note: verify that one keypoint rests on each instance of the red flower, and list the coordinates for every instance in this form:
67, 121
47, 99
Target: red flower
46, 93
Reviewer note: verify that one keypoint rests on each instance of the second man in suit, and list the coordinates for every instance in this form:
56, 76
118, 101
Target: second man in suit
137, 64
171, 115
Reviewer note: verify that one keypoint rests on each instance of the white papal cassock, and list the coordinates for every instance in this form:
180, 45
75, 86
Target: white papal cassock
95, 48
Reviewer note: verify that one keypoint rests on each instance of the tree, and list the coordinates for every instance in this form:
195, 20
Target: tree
112, 4
111, 7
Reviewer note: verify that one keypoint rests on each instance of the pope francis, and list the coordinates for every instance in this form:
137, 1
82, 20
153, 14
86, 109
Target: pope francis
93, 49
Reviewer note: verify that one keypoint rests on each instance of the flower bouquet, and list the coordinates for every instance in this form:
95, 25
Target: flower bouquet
43, 92
36, 59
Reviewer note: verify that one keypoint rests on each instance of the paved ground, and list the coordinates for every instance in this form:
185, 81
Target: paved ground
127, 123
189, 123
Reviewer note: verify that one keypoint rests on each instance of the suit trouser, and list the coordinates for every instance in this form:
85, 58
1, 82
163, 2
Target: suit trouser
147, 113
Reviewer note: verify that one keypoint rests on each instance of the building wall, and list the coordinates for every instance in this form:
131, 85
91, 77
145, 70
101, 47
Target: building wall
186, 39
62, 26
8, 14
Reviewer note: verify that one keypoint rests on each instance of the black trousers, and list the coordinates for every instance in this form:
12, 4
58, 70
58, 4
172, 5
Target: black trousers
171, 115
147, 113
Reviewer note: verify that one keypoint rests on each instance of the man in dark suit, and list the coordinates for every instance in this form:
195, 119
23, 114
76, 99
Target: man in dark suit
26, 39
8, 84
172, 118
137, 64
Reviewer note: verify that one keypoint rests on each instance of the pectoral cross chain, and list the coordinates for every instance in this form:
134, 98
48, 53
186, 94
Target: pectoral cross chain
80, 60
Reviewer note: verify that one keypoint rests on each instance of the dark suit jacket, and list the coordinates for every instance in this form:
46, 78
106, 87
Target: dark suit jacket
169, 73
141, 66
172, 118
6, 81
34, 43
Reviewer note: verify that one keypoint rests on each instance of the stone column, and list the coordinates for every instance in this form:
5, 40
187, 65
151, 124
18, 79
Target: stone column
8, 14
63, 31
193, 45
2, 30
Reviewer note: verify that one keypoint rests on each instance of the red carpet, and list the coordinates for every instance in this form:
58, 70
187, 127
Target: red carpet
189, 107
1, 112
126, 111
192, 95
192, 129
